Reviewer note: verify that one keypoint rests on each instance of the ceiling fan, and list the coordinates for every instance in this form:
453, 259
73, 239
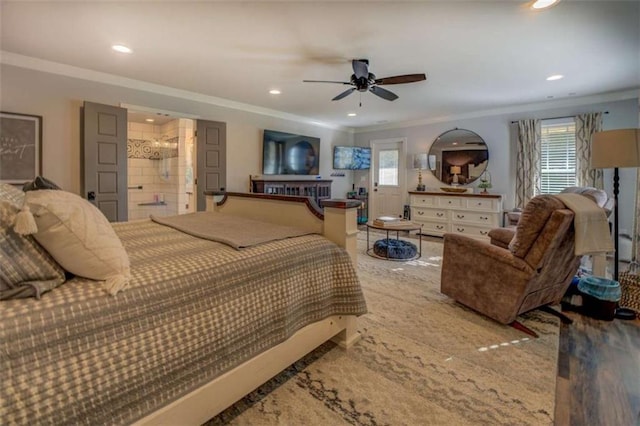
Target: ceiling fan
362, 80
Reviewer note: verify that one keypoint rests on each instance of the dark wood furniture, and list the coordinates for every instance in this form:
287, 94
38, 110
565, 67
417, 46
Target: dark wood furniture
598, 379
316, 189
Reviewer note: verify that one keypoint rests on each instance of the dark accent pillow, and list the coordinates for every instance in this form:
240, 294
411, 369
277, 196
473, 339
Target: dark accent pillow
39, 183
26, 269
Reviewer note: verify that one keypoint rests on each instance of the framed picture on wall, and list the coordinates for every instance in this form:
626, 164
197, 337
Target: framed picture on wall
20, 147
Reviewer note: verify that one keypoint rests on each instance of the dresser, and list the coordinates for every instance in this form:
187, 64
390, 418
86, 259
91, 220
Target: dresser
473, 215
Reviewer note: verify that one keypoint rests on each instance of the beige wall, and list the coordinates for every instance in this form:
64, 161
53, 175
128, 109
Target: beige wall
58, 99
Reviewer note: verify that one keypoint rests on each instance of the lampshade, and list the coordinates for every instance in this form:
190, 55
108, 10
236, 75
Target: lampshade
420, 161
615, 148
432, 161
456, 170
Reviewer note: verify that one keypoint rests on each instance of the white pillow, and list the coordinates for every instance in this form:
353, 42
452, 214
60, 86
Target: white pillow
79, 237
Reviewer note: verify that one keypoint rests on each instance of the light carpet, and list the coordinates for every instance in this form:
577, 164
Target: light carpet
423, 360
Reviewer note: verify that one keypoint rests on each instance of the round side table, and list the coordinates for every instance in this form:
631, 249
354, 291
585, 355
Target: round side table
396, 227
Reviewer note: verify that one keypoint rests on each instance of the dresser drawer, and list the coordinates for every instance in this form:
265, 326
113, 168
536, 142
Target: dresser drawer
420, 213
423, 200
435, 228
451, 202
475, 218
484, 204
471, 230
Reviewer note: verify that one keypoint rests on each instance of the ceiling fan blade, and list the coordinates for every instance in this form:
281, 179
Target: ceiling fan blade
325, 81
360, 68
344, 94
400, 79
383, 93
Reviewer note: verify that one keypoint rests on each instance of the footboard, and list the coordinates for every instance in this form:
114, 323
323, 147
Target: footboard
337, 222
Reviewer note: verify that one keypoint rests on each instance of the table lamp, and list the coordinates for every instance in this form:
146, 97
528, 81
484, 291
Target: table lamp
420, 162
614, 149
455, 171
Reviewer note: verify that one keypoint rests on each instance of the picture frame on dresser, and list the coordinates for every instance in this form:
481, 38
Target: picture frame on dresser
20, 147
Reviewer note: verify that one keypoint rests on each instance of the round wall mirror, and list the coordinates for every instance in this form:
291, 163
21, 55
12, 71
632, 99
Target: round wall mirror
458, 157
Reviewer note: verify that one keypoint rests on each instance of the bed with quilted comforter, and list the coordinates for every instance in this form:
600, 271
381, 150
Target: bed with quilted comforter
194, 310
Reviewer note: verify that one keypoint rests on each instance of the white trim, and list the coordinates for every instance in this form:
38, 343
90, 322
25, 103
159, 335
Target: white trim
42, 65
402, 170
539, 106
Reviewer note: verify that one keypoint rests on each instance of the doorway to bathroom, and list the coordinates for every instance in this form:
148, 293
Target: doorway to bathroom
161, 165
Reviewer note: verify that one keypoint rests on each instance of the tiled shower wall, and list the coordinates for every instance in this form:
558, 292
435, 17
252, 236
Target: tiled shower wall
146, 173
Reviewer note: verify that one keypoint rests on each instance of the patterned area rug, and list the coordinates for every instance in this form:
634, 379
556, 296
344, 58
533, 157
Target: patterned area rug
422, 360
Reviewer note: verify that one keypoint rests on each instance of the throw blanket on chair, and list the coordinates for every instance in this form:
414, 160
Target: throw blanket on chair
236, 232
590, 224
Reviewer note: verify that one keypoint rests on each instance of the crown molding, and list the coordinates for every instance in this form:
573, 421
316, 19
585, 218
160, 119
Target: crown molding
29, 62
510, 110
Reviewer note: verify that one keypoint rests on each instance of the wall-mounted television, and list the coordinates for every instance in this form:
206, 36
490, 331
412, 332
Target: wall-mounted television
351, 158
290, 154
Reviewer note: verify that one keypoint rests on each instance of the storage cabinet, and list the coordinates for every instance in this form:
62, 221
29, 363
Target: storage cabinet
473, 215
316, 189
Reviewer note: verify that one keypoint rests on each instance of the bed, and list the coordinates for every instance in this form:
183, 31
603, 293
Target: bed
201, 324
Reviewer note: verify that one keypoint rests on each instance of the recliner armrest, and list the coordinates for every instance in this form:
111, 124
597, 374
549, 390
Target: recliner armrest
501, 237
468, 248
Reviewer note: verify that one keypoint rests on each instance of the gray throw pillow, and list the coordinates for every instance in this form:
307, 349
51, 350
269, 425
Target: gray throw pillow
26, 269
39, 183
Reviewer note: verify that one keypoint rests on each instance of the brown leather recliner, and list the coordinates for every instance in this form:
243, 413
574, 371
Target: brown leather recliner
534, 270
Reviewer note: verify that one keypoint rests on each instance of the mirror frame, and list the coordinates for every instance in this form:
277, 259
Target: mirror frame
466, 158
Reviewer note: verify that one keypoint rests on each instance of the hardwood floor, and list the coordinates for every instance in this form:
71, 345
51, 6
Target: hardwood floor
598, 379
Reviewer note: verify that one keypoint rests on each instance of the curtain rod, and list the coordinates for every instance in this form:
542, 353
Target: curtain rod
556, 118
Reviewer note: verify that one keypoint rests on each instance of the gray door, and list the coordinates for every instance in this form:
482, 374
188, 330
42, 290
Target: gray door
211, 143
105, 159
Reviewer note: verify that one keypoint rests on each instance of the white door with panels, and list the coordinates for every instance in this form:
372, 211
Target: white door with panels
388, 174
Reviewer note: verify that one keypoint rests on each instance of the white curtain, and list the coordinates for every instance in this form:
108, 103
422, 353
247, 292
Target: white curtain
527, 161
586, 126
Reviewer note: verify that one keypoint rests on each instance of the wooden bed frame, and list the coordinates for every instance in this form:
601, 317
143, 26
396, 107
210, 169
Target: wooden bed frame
338, 223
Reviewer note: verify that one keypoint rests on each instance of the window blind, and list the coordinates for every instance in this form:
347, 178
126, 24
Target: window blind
558, 156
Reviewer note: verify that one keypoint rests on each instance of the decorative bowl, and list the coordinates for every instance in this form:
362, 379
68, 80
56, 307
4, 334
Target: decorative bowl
452, 189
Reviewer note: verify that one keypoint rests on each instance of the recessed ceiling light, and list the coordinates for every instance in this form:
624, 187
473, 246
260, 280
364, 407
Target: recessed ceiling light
352, 114
150, 120
274, 92
121, 48
543, 4
555, 77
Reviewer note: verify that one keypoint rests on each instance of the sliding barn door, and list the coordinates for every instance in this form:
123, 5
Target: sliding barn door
105, 159
211, 157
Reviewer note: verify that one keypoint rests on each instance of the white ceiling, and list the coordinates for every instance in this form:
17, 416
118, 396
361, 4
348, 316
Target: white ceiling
478, 55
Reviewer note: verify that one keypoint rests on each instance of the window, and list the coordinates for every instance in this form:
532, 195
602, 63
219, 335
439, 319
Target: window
388, 167
558, 156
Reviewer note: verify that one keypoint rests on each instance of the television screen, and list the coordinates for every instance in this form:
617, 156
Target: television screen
290, 154
351, 158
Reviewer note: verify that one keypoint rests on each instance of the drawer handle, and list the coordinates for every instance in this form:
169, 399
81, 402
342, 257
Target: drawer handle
484, 218
439, 214
484, 232
439, 227
424, 201
460, 229
479, 203
449, 201
420, 213
460, 216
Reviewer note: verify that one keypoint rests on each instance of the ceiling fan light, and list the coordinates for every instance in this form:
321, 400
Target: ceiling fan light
543, 4
555, 77
275, 91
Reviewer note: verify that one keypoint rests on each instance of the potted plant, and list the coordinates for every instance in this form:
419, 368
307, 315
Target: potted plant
485, 182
